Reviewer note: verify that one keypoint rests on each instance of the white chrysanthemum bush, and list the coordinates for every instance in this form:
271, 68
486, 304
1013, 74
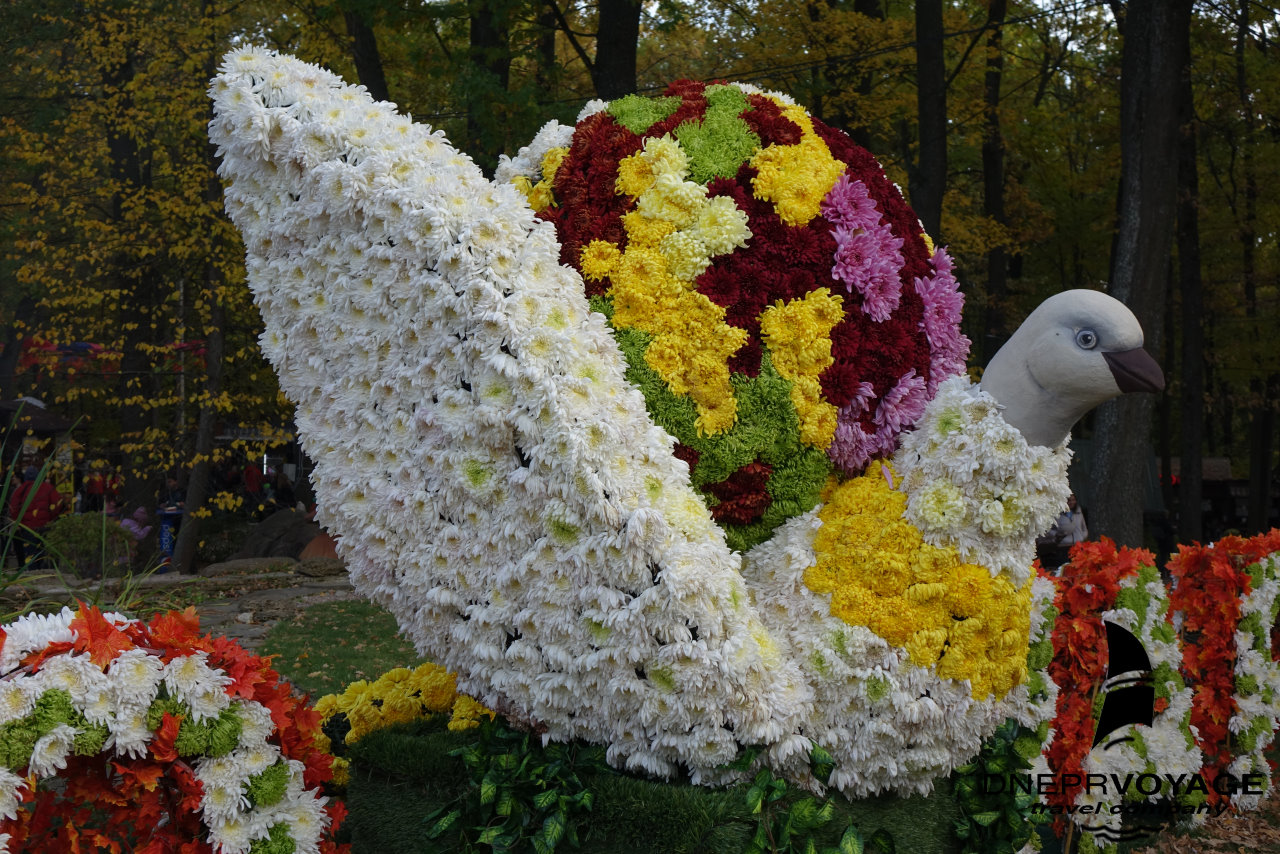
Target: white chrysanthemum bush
601, 435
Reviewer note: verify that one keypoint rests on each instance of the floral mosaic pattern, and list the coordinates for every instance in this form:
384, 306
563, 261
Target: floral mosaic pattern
592, 431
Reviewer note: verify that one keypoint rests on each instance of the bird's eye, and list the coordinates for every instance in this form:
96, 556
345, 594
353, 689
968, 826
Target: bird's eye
1086, 339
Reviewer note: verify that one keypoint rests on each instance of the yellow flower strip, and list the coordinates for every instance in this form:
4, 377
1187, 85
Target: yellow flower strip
670, 239
946, 613
397, 696
798, 335
796, 178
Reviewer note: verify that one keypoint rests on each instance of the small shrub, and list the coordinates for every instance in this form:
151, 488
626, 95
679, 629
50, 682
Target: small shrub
89, 544
221, 537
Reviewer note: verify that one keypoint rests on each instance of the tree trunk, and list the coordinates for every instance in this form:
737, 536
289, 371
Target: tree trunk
490, 73
1261, 417
1191, 286
135, 281
993, 186
927, 181
547, 72
24, 314
614, 72
1155, 33
184, 550
860, 132
364, 51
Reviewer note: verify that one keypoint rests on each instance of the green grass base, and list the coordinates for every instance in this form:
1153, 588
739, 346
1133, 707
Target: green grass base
332, 644
402, 774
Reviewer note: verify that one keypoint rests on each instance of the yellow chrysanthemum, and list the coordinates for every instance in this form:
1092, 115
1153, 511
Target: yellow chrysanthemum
946, 613
796, 178
539, 194
691, 342
798, 335
660, 156
645, 232
398, 696
599, 258
466, 714
721, 226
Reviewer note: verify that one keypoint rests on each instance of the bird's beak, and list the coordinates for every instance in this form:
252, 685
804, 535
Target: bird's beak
1135, 370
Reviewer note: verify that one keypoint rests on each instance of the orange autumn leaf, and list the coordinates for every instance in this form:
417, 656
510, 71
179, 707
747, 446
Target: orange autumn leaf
138, 774
162, 748
96, 635
176, 628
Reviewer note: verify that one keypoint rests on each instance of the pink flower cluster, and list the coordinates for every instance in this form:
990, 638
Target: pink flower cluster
868, 255
943, 304
900, 408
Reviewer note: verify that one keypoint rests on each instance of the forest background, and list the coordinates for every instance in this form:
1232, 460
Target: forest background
1051, 144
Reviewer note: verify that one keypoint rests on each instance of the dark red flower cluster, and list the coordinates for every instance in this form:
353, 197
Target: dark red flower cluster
743, 495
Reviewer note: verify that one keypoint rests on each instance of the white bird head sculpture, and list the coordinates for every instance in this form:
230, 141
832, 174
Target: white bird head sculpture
743, 496
1078, 349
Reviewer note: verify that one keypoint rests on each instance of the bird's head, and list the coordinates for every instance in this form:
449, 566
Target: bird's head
1078, 349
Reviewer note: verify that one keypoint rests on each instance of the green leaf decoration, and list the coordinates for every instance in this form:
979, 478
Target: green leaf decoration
881, 842
553, 828
851, 842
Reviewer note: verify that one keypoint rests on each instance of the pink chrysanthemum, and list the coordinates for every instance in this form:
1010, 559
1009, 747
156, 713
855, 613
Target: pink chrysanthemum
849, 205
852, 446
868, 255
943, 304
902, 406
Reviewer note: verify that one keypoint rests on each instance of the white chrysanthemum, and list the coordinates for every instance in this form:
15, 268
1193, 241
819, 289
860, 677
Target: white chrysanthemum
11, 786
255, 722
232, 835
222, 779
135, 677
130, 735
190, 679
752, 89
595, 105
78, 676
49, 756
34, 631
721, 226
528, 160
1011, 491
18, 697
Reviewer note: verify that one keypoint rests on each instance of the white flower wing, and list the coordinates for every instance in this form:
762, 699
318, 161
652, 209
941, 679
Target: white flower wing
491, 477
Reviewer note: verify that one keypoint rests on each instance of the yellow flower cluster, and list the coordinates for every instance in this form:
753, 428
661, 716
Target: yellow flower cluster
798, 335
796, 178
944, 612
671, 237
539, 194
397, 696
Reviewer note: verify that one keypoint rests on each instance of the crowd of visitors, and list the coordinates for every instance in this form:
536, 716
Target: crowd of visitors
33, 503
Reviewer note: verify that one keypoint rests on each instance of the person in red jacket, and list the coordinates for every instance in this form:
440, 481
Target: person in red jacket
33, 507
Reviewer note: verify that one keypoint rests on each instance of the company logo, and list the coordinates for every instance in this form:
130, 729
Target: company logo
1128, 701
1129, 697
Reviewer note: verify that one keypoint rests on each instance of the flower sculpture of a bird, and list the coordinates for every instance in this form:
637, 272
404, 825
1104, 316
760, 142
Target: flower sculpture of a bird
661, 440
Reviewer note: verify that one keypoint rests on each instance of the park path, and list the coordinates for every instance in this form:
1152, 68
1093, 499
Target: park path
242, 602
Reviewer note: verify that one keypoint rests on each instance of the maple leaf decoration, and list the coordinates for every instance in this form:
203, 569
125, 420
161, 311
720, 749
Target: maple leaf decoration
162, 747
177, 629
96, 635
